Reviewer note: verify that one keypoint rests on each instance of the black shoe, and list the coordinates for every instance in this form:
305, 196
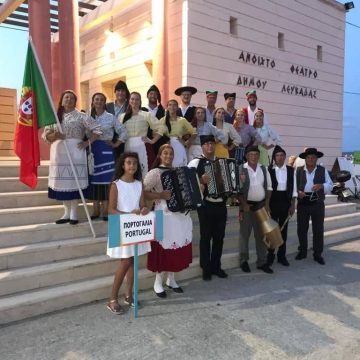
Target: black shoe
93, 217
270, 258
105, 218
300, 255
206, 275
62, 221
265, 268
177, 290
319, 259
221, 274
161, 294
73, 222
245, 267
283, 261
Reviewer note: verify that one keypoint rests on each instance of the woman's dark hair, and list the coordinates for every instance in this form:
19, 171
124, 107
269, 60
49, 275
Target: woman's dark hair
167, 116
119, 166
157, 160
92, 111
194, 119
129, 110
216, 110
60, 109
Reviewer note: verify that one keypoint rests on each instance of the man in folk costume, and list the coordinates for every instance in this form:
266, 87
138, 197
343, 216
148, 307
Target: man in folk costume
211, 97
118, 107
229, 107
312, 182
256, 193
251, 109
157, 110
185, 109
282, 200
212, 216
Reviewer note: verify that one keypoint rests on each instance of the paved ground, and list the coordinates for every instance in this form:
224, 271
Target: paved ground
306, 311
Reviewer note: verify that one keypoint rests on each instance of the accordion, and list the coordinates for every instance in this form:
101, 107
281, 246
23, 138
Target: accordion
184, 185
224, 177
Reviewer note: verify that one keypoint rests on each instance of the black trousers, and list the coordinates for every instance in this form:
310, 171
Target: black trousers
316, 212
212, 218
279, 208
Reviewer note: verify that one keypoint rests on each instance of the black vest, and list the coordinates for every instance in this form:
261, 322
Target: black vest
189, 115
319, 178
289, 180
244, 187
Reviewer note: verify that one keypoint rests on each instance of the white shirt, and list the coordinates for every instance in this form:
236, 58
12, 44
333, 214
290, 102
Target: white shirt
184, 109
256, 188
281, 177
328, 184
152, 111
251, 115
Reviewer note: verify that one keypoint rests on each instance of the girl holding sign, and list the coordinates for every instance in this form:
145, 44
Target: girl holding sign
126, 197
174, 252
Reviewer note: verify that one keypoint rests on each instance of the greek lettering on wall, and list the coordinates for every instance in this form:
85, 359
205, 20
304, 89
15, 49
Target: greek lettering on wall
298, 91
303, 71
251, 81
254, 59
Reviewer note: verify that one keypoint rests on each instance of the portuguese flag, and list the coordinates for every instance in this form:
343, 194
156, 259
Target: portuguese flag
35, 112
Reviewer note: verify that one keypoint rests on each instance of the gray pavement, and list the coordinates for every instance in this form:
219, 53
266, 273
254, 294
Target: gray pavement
306, 311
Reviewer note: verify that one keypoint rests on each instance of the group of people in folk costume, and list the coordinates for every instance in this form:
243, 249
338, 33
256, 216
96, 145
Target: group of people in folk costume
133, 145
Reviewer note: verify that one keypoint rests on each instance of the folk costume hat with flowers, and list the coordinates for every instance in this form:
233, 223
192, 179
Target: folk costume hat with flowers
251, 93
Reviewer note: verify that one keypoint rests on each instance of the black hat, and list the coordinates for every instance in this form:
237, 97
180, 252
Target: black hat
156, 89
181, 89
252, 148
227, 95
277, 149
206, 138
311, 151
121, 85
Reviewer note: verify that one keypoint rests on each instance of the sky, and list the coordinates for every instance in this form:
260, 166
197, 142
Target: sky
14, 45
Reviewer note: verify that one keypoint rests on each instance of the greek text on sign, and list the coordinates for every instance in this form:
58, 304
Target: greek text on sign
251, 81
299, 91
249, 58
303, 71
137, 228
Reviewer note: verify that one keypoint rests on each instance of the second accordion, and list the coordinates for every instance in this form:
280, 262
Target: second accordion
224, 177
184, 185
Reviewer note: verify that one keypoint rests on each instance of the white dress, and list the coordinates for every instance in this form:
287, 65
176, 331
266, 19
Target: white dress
128, 200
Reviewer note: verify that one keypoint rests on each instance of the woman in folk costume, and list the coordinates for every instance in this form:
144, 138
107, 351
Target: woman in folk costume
249, 136
176, 129
203, 127
174, 252
75, 126
104, 157
269, 138
137, 123
222, 148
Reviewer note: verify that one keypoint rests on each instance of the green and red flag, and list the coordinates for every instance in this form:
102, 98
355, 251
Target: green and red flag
35, 112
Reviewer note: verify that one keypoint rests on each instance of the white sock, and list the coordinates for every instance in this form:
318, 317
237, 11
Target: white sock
171, 280
158, 286
74, 207
67, 206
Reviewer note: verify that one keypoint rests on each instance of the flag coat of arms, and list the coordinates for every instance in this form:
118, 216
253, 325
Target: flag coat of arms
35, 111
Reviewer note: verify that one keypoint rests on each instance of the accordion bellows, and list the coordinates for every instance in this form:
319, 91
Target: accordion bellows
224, 177
184, 185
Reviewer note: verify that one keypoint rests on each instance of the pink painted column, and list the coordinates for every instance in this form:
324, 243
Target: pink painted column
69, 47
160, 57
55, 69
39, 25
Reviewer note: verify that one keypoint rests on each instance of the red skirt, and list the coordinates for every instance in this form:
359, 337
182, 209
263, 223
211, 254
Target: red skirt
174, 260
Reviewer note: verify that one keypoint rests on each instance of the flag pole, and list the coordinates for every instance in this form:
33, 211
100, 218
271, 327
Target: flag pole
65, 143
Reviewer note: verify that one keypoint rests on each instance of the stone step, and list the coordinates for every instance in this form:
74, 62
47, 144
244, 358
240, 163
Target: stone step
45, 300
339, 209
21, 199
11, 168
11, 184
48, 252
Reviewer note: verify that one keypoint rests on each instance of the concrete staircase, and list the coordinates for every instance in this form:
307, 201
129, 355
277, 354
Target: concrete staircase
46, 267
